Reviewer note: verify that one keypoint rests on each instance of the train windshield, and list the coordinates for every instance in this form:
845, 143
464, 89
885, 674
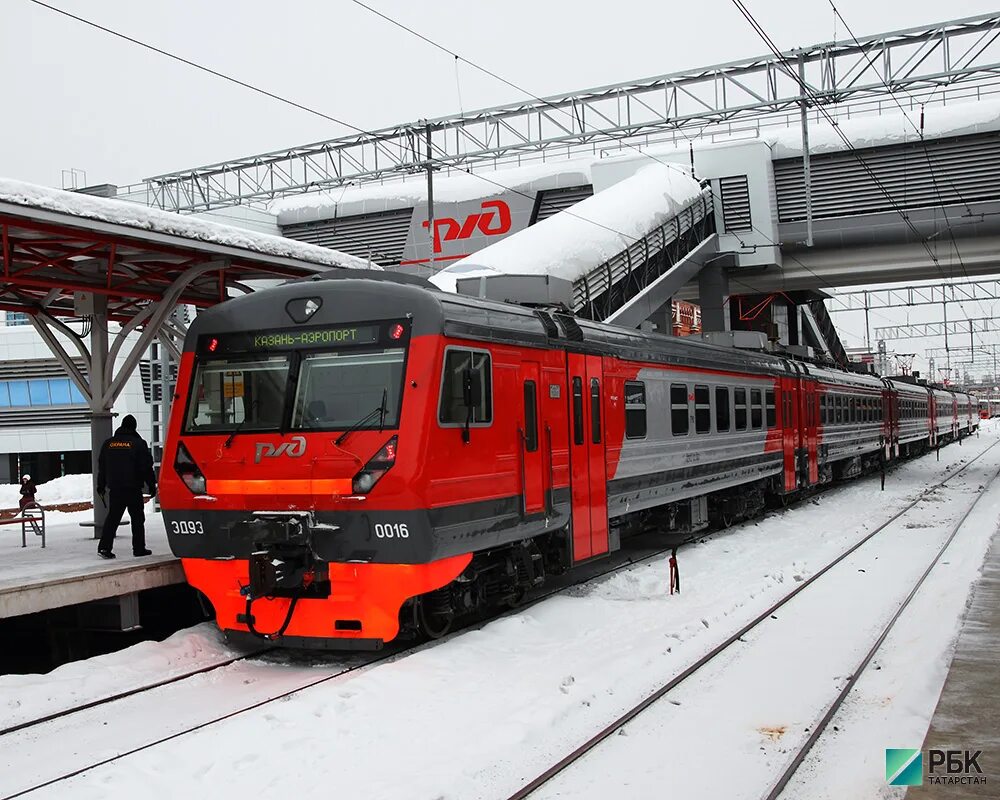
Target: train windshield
337, 390
244, 393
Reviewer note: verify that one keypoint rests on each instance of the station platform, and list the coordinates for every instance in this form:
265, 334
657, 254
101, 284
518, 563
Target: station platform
68, 571
967, 716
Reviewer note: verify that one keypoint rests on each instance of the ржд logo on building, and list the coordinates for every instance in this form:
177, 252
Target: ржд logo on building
492, 220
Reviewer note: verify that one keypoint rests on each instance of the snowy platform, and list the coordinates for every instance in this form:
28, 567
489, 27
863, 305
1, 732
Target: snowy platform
68, 571
967, 712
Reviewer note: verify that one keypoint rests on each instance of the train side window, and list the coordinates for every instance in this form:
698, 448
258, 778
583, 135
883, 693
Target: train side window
702, 409
740, 403
756, 409
679, 409
635, 409
722, 409
530, 417
838, 402
578, 410
822, 409
460, 366
852, 409
595, 411
772, 419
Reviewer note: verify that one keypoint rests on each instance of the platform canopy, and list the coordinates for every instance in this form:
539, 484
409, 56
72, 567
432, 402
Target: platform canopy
56, 245
68, 255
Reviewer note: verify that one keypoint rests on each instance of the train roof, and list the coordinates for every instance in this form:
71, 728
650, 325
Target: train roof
367, 296
363, 296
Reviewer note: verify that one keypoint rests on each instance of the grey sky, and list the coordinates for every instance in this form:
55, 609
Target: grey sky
78, 98
75, 97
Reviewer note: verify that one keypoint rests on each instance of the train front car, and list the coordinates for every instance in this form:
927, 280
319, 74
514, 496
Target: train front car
291, 473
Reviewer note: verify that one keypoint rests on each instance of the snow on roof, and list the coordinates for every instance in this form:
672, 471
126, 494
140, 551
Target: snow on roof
133, 215
571, 243
957, 119
355, 200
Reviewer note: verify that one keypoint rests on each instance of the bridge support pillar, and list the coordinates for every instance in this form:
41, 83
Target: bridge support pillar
713, 294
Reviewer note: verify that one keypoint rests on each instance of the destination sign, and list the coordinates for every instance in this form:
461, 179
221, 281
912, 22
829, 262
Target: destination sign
264, 341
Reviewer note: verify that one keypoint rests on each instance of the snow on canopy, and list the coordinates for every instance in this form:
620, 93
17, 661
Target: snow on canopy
133, 215
572, 243
356, 200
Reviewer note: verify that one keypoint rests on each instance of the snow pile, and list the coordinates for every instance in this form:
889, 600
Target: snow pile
67, 489
571, 243
27, 697
454, 188
134, 215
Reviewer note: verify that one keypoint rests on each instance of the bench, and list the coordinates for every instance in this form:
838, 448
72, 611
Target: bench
31, 516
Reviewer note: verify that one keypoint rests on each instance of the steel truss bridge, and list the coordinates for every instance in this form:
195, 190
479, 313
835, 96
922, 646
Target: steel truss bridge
925, 64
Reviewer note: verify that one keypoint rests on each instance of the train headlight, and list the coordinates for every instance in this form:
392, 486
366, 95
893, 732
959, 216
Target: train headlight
188, 470
377, 466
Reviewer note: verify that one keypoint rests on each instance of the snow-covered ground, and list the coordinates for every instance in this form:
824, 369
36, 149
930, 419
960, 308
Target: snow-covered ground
70, 549
481, 713
28, 697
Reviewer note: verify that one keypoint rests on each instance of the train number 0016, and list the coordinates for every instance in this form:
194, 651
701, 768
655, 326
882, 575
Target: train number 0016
391, 530
187, 527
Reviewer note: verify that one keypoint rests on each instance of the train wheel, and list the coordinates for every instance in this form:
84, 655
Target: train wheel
434, 621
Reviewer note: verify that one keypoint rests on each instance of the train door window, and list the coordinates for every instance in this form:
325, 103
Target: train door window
578, 410
772, 419
721, 409
595, 411
740, 406
756, 409
702, 409
635, 409
461, 366
679, 409
530, 417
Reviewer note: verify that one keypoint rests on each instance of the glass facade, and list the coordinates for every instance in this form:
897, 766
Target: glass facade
40, 393
16, 318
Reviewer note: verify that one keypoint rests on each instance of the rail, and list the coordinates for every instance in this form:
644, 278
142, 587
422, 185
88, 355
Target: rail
651, 699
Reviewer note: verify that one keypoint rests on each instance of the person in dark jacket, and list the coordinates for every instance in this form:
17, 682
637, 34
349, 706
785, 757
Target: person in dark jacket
123, 466
27, 491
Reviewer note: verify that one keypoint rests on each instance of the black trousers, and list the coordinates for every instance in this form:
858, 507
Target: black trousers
118, 501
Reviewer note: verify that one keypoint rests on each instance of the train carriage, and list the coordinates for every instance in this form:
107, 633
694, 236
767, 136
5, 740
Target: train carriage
360, 456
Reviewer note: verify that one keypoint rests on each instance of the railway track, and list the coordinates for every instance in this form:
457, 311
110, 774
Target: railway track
817, 729
146, 687
37, 727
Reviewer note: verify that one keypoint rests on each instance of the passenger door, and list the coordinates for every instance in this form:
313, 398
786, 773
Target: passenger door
588, 466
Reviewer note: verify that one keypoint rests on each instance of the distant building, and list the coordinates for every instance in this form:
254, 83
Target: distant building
44, 419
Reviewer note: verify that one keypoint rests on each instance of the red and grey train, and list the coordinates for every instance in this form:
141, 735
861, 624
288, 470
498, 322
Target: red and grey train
359, 456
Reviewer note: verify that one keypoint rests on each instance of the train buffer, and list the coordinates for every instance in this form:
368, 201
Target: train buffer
32, 517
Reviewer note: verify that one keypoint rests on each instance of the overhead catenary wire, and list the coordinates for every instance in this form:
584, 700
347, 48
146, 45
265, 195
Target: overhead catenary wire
807, 91
300, 106
622, 139
927, 155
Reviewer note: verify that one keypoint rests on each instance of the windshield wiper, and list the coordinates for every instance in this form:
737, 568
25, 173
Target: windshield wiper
379, 412
239, 427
